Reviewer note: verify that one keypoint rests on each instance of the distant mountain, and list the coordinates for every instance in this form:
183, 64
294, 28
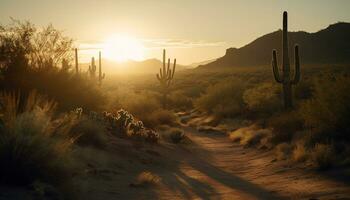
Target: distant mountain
150, 66
196, 64
330, 45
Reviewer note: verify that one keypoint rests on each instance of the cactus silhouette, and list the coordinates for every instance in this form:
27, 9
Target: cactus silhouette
92, 68
165, 77
76, 61
285, 79
100, 75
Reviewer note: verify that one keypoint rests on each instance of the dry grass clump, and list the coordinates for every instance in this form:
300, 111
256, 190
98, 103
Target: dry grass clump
249, 136
283, 151
323, 156
90, 133
146, 179
174, 135
33, 144
300, 153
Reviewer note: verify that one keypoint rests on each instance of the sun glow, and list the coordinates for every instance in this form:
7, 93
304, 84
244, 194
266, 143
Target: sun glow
121, 48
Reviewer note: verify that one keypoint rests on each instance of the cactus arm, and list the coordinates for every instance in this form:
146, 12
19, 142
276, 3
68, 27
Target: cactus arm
172, 75
275, 67
297, 66
164, 63
158, 77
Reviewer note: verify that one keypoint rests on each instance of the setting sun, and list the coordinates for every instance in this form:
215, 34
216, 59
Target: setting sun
122, 48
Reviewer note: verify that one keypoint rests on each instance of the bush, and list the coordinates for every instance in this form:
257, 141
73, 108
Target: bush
329, 108
284, 126
33, 145
90, 133
323, 156
283, 150
146, 179
30, 59
249, 136
263, 99
145, 107
223, 99
300, 153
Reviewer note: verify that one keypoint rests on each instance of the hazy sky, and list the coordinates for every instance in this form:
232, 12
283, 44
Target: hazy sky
191, 30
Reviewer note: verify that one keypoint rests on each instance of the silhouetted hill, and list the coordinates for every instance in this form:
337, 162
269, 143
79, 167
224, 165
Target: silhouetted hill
330, 45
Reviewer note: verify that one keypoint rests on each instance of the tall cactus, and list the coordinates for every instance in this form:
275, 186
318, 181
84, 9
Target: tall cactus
92, 68
286, 79
100, 75
76, 61
165, 77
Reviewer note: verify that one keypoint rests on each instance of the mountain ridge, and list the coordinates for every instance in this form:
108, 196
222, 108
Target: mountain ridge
330, 45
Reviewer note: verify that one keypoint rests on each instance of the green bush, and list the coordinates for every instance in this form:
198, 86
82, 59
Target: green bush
223, 99
329, 108
284, 126
263, 98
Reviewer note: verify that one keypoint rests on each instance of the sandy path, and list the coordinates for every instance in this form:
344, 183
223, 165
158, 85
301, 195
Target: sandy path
210, 168
214, 168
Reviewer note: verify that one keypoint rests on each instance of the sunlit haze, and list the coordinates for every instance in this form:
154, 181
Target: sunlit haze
190, 30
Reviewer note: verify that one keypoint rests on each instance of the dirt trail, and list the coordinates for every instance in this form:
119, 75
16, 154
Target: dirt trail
214, 168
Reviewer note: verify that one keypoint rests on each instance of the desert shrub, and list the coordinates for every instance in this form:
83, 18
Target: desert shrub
283, 150
300, 153
176, 135
179, 101
33, 144
90, 133
223, 99
284, 126
146, 179
263, 99
323, 156
329, 108
145, 107
31, 60
249, 136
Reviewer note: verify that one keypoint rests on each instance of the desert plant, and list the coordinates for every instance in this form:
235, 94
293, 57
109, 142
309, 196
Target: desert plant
323, 156
100, 75
286, 79
146, 179
165, 77
92, 69
33, 144
223, 99
328, 112
76, 61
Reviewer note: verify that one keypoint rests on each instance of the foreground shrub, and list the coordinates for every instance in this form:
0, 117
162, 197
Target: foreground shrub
90, 133
249, 136
283, 150
323, 156
328, 110
33, 145
223, 99
146, 179
284, 126
300, 153
38, 59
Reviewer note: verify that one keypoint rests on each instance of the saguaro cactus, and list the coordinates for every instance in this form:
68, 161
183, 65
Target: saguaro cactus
285, 79
165, 77
100, 75
92, 68
76, 61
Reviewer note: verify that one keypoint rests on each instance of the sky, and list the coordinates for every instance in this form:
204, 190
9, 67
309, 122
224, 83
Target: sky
190, 30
